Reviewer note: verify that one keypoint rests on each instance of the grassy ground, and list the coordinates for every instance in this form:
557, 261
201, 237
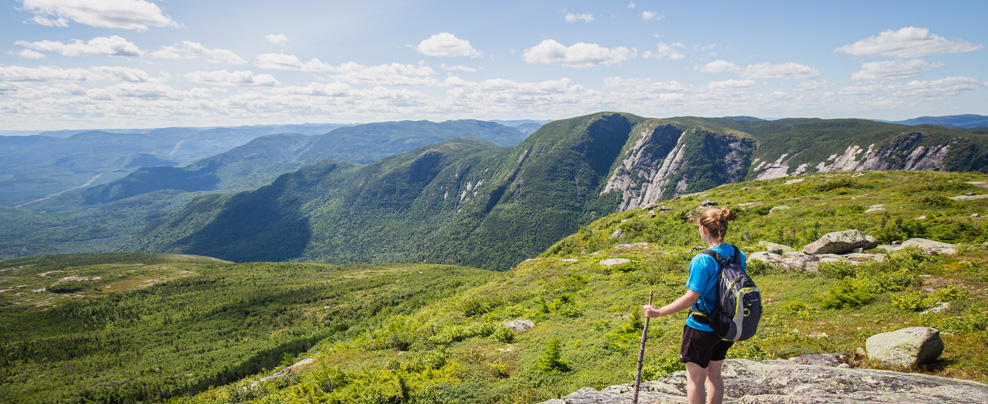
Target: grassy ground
454, 348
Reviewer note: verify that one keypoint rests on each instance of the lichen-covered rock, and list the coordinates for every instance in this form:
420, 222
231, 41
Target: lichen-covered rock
782, 381
614, 262
928, 246
839, 242
775, 248
519, 325
905, 347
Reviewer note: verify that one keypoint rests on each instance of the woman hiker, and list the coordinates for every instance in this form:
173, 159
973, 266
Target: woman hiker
702, 350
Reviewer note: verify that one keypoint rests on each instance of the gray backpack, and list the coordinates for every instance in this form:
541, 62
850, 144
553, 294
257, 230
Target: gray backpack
736, 317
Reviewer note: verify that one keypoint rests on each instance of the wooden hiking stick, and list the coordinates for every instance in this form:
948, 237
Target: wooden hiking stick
641, 354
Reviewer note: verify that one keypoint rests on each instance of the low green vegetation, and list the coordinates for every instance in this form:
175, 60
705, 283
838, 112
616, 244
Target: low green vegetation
145, 327
438, 337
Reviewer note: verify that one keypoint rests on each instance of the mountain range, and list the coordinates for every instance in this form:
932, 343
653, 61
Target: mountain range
469, 202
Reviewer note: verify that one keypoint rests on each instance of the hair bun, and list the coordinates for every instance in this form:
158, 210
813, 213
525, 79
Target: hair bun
726, 214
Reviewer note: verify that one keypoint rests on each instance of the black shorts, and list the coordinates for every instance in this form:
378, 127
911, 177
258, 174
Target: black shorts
702, 347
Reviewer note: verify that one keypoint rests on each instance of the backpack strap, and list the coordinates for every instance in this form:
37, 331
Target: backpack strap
717, 257
721, 262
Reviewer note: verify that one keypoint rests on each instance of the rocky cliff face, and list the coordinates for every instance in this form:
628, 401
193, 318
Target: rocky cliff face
666, 160
789, 381
905, 152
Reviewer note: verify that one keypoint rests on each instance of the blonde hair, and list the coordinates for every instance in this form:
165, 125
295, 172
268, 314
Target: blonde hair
715, 221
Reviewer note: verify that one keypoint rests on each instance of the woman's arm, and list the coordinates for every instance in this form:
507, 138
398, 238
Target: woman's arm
683, 303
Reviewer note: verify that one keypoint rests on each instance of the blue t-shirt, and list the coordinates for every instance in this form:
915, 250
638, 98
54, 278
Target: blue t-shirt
704, 275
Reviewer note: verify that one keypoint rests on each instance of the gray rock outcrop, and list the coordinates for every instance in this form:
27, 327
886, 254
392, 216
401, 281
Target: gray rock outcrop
519, 325
783, 381
841, 242
614, 261
798, 260
928, 246
905, 347
775, 248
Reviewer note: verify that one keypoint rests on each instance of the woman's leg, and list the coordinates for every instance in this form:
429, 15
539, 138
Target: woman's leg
695, 378
715, 383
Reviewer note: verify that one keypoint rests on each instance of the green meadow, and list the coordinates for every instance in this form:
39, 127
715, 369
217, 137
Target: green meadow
187, 329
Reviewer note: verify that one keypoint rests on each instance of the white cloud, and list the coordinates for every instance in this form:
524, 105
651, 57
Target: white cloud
779, 71
579, 55
280, 61
237, 78
129, 74
30, 54
908, 42
120, 14
632, 4
810, 85
192, 50
941, 88
937, 89
54, 73
666, 52
651, 15
395, 74
277, 39
761, 70
731, 84
894, 69
570, 17
717, 66
445, 44
113, 46
461, 68
320, 90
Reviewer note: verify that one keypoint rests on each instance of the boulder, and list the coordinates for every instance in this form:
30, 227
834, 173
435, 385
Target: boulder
519, 325
839, 242
783, 381
617, 234
775, 248
905, 347
931, 246
928, 246
614, 262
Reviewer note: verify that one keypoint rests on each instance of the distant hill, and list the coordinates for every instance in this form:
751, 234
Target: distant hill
263, 159
104, 217
468, 203
34, 167
962, 121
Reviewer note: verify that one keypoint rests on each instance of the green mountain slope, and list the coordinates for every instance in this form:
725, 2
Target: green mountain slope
491, 208
442, 350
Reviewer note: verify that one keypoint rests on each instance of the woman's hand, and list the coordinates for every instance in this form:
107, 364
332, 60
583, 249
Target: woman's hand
651, 311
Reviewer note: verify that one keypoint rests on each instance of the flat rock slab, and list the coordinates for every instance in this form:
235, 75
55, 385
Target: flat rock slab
630, 246
782, 381
968, 197
928, 246
614, 261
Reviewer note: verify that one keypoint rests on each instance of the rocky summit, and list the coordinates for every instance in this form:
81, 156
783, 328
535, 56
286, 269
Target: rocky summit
790, 381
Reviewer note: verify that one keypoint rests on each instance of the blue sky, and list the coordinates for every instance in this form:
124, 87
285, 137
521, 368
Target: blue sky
76, 64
